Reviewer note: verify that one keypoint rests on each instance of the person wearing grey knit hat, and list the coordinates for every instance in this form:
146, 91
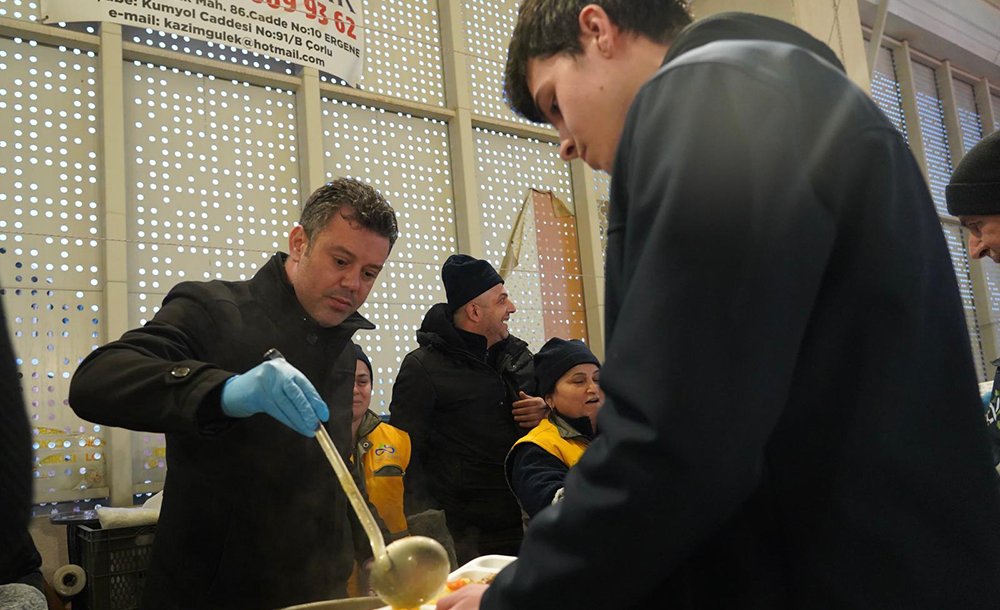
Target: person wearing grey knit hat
973, 194
465, 395
557, 358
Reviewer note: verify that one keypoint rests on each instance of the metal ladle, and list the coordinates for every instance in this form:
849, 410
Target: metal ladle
408, 572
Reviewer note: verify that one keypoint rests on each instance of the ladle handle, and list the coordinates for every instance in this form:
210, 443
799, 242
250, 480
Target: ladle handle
346, 481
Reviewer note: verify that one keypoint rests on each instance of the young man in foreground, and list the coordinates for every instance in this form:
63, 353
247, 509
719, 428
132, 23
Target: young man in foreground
791, 418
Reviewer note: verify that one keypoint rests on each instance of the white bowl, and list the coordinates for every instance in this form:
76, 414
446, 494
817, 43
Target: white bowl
478, 568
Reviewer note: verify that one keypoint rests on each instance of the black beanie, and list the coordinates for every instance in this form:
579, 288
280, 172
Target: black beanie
465, 278
364, 358
558, 356
975, 186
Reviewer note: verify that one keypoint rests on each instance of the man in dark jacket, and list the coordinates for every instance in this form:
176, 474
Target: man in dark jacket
463, 398
21, 584
252, 515
973, 195
791, 418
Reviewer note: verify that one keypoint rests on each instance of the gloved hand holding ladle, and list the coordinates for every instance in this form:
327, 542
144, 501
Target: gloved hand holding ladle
408, 572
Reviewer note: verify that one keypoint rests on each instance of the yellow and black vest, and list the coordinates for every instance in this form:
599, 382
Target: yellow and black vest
548, 436
385, 456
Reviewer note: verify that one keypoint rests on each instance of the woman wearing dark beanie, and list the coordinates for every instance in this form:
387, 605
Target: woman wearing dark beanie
568, 376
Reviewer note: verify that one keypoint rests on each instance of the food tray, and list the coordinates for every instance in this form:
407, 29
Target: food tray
477, 569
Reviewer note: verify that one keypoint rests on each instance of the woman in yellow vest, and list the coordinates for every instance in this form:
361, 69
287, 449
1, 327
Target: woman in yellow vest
381, 453
568, 376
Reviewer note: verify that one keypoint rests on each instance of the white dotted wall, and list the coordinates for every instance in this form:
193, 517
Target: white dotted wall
24, 10
403, 51
995, 101
50, 266
602, 192
212, 179
212, 186
957, 240
969, 122
992, 274
407, 160
507, 168
488, 24
886, 91
935, 135
206, 49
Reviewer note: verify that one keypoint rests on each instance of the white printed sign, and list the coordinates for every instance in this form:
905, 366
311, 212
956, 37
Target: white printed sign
326, 34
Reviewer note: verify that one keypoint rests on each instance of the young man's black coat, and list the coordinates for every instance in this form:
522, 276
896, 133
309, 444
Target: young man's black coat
792, 418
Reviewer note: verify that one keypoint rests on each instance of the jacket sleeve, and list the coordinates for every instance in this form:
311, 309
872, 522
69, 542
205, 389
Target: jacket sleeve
155, 378
724, 244
535, 476
19, 557
412, 411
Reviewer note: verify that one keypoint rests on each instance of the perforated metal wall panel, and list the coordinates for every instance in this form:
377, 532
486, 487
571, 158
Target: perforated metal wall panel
934, 133
489, 24
992, 274
213, 176
939, 168
213, 188
24, 10
968, 115
885, 89
50, 265
956, 239
996, 111
407, 160
403, 48
508, 167
204, 48
602, 192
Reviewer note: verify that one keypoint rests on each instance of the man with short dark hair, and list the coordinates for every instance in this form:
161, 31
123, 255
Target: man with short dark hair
252, 515
973, 195
463, 397
791, 416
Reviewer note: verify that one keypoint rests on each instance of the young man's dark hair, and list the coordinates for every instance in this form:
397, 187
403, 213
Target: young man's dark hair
547, 27
364, 206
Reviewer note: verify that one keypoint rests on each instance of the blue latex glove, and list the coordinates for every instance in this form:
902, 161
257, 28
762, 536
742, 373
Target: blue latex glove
278, 389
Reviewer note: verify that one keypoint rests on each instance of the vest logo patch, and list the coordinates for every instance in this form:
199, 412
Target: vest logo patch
385, 448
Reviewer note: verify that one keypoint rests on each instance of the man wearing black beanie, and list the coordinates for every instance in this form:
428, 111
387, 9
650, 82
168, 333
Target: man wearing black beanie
974, 196
464, 398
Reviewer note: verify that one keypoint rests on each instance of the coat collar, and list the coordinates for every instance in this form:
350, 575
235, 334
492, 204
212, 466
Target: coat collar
578, 427
271, 288
744, 26
369, 421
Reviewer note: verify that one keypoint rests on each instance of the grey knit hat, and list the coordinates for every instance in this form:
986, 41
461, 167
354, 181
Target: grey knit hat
975, 186
465, 278
363, 357
558, 356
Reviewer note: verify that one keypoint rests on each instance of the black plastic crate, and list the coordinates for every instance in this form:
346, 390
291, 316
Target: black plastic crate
115, 561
